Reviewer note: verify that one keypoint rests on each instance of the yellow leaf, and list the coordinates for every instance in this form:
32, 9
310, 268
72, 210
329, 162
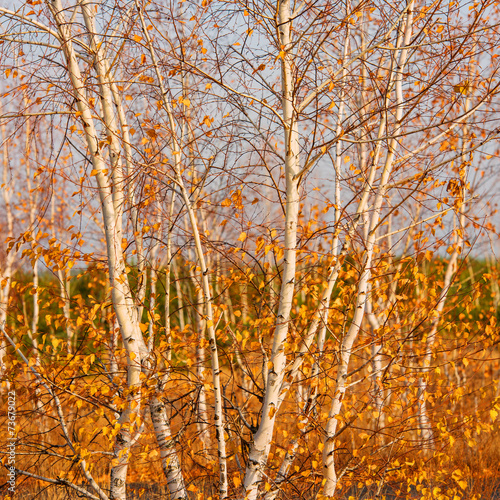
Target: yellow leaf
493, 414
462, 484
242, 237
236, 481
210, 323
137, 38
462, 88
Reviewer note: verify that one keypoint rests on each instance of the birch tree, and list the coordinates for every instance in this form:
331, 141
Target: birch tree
255, 166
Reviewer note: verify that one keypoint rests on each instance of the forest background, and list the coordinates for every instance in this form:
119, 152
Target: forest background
248, 249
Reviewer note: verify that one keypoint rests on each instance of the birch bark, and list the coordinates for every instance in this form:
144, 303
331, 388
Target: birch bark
426, 433
201, 405
175, 147
111, 197
376, 350
262, 439
110, 96
32, 204
329, 473
7, 266
64, 283
169, 459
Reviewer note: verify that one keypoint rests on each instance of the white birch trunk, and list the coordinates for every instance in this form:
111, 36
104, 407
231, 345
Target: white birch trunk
168, 272
320, 319
427, 438
244, 301
169, 459
423, 417
376, 349
201, 406
329, 472
178, 293
262, 439
153, 278
133, 207
207, 299
204, 274
113, 346
32, 202
111, 198
65, 293
6, 270
64, 285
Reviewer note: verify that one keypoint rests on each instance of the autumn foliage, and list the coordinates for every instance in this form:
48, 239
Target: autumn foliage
248, 250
